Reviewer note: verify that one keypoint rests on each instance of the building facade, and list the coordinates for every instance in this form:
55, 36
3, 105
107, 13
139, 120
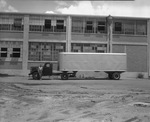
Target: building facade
31, 39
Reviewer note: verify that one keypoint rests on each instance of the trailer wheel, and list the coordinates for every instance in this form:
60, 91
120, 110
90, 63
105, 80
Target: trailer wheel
64, 76
116, 75
35, 76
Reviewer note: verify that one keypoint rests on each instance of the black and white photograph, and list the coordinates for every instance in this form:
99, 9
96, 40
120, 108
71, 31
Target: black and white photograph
74, 61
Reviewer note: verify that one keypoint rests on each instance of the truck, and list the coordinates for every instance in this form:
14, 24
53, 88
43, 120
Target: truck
47, 70
70, 63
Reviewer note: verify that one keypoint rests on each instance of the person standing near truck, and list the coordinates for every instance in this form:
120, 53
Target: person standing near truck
40, 70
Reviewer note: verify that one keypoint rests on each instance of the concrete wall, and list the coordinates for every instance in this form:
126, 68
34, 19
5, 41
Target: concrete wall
50, 36
129, 39
148, 50
10, 65
136, 57
89, 37
118, 48
11, 35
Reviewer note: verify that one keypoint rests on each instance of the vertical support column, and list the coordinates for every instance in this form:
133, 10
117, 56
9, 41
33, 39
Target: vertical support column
68, 34
25, 45
148, 48
109, 33
108, 41
111, 37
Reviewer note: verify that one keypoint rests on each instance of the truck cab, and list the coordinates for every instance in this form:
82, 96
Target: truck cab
47, 71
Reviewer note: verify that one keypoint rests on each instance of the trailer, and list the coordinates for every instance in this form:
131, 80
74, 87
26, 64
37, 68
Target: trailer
111, 63
70, 63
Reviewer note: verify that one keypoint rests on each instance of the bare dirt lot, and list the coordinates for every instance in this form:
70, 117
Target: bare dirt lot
26, 100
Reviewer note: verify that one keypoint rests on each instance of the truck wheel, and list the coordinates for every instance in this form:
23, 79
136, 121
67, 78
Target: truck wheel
36, 76
64, 76
116, 75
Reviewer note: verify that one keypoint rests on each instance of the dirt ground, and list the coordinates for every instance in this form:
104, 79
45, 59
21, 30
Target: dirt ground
99, 100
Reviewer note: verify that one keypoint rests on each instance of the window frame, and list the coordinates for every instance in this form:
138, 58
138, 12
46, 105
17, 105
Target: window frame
17, 24
101, 26
16, 53
129, 27
60, 25
45, 51
86, 47
89, 25
47, 24
77, 25
143, 24
118, 28
4, 52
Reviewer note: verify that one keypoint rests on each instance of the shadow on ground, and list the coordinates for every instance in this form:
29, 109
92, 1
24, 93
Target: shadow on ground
6, 75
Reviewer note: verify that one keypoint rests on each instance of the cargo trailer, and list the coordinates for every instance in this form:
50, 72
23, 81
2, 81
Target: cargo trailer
112, 63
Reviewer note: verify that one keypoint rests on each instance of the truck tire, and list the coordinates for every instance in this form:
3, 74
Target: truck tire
35, 76
116, 75
64, 76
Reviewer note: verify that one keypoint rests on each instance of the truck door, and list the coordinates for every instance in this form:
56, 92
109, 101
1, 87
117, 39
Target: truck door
47, 69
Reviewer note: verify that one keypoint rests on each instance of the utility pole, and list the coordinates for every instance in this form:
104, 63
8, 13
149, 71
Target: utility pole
109, 21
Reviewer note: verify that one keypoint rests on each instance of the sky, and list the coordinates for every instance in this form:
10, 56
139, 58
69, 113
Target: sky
129, 8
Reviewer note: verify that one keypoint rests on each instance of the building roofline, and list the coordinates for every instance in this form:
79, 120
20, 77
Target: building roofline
75, 15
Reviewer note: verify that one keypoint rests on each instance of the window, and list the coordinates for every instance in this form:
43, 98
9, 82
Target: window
47, 24
11, 23
10, 49
45, 51
48, 65
141, 27
118, 27
3, 52
98, 48
16, 53
89, 27
60, 25
36, 23
77, 26
5, 23
76, 47
17, 24
101, 27
129, 27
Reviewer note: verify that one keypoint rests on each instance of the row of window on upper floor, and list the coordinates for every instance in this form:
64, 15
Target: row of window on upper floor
138, 27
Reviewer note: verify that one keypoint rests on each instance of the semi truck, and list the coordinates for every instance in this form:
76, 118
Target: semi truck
70, 63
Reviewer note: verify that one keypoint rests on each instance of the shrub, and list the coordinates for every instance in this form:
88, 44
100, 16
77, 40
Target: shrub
140, 75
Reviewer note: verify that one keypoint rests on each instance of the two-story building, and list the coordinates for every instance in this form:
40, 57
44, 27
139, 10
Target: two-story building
30, 39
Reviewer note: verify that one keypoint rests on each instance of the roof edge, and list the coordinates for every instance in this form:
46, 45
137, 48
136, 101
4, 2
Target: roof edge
74, 15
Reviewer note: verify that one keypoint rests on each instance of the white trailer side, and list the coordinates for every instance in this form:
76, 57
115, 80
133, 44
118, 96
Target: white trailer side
111, 63
92, 61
